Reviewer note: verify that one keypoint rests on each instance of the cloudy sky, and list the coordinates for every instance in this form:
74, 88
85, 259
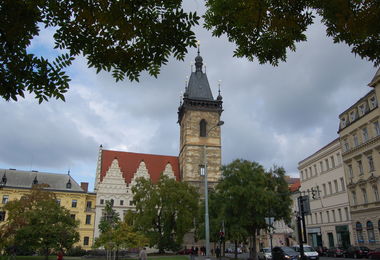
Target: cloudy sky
273, 115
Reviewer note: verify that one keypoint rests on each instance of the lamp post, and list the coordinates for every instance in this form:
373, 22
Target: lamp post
207, 225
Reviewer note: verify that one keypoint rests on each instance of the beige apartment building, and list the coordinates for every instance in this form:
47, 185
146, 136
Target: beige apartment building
330, 222
359, 132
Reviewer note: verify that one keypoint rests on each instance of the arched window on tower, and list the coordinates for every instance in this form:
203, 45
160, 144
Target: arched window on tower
202, 128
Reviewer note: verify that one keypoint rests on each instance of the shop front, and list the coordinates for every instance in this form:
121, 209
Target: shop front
314, 237
343, 236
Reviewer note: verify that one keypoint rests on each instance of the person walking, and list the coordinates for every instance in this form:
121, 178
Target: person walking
142, 254
217, 252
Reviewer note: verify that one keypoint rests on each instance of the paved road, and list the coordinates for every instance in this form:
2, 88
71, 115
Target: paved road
246, 255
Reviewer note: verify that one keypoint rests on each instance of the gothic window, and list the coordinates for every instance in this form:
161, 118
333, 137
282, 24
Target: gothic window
202, 128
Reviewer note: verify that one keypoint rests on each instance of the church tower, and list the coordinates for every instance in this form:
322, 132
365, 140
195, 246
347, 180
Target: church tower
200, 137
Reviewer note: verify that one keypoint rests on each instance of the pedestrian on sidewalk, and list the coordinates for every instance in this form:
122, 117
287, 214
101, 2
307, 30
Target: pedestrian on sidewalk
217, 252
192, 253
142, 255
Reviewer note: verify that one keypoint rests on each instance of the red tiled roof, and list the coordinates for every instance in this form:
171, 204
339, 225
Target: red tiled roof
295, 186
129, 163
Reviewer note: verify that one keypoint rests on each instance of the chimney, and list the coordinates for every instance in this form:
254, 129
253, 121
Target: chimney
84, 186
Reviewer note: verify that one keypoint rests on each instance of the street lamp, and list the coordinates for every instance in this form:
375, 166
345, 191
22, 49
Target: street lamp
204, 173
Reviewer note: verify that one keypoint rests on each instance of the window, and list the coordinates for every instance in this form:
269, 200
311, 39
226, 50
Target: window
354, 200
375, 192
332, 162
350, 171
306, 174
362, 109
121, 202
86, 241
330, 188
327, 164
131, 203
333, 215
373, 102
2, 216
321, 166
360, 166
5, 199
352, 116
340, 214
324, 189
316, 218
370, 163
315, 169
74, 203
377, 128
365, 134
328, 216
72, 216
365, 197
58, 201
88, 219
68, 184
356, 140
370, 232
343, 122
347, 214
359, 232
89, 204
346, 145
311, 173
342, 183
102, 201
202, 128
112, 202
302, 177
320, 216
336, 186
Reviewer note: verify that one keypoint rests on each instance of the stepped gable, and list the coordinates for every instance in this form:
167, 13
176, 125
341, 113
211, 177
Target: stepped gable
130, 162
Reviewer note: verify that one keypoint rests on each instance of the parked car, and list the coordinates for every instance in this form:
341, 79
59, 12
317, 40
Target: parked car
185, 251
310, 252
336, 252
264, 254
375, 254
357, 251
322, 250
284, 253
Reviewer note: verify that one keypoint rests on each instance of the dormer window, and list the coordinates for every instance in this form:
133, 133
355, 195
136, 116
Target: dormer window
373, 102
68, 184
362, 109
4, 179
352, 116
35, 181
202, 128
343, 122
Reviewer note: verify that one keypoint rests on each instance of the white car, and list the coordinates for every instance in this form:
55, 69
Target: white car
264, 254
310, 252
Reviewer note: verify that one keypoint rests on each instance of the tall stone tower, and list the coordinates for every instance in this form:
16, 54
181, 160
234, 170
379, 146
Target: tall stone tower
200, 137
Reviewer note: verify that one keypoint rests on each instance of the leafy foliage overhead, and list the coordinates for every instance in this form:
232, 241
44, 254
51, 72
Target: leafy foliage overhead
265, 29
125, 37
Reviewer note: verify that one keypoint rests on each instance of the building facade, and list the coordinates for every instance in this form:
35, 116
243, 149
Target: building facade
199, 148
359, 132
323, 180
69, 194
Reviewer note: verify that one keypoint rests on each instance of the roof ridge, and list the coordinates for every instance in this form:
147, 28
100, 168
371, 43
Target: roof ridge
150, 154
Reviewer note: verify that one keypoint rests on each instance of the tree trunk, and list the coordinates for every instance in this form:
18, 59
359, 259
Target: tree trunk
254, 248
46, 253
235, 251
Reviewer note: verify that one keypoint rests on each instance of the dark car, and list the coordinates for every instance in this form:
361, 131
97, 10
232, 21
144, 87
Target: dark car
186, 251
284, 253
336, 252
357, 251
322, 250
375, 254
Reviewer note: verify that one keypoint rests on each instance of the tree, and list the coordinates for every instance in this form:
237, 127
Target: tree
164, 211
267, 29
125, 37
110, 218
249, 194
37, 222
